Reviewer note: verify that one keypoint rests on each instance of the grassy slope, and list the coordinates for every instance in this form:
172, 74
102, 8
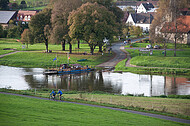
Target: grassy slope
16, 110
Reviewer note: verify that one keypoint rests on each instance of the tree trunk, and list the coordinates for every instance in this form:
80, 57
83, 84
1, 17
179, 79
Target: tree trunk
46, 43
175, 44
100, 48
70, 47
78, 44
165, 48
63, 45
92, 50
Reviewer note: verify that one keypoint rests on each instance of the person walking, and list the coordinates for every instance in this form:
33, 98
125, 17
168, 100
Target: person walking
60, 93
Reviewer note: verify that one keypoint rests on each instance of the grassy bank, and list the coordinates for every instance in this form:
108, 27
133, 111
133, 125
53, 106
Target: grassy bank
157, 63
167, 106
13, 44
17, 110
44, 60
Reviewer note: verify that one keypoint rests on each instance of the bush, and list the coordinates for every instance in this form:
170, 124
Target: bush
145, 40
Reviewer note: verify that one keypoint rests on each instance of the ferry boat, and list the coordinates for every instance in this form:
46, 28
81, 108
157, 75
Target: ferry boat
68, 68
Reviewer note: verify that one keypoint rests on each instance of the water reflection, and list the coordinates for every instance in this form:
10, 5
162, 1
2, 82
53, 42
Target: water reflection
125, 83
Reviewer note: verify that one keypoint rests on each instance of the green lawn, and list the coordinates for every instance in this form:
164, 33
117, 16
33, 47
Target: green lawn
15, 110
13, 44
44, 60
169, 45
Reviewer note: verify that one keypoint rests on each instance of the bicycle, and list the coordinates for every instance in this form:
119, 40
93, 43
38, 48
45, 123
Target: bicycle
51, 97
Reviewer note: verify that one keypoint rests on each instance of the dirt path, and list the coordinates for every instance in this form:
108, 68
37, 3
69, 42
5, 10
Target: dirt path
8, 54
117, 109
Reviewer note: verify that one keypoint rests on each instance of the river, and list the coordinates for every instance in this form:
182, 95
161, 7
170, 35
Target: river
120, 83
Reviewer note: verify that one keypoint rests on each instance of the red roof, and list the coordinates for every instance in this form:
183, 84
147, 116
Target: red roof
22, 12
183, 25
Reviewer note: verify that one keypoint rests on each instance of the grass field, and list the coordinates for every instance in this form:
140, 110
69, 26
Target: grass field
13, 44
15, 110
44, 60
176, 107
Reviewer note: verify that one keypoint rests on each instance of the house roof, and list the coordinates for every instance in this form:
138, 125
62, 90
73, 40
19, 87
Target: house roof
148, 6
183, 25
126, 3
142, 18
155, 2
5, 16
22, 12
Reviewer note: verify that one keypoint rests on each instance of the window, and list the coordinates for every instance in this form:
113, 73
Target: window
29, 17
20, 17
25, 18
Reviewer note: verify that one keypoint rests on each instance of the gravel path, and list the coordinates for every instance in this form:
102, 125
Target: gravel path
117, 109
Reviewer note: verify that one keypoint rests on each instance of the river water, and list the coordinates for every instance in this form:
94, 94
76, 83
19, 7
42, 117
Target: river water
120, 83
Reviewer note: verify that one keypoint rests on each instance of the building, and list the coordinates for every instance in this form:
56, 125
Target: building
141, 19
183, 30
126, 4
134, 4
5, 17
145, 7
25, 16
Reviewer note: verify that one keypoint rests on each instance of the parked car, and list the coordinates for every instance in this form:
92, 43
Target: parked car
157, 47
149, 47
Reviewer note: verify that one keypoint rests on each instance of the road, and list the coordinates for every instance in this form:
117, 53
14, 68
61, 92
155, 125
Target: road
120, 54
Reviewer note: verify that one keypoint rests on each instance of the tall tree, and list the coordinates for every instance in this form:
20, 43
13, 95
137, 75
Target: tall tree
109, 4
168, 11
25, 37
60, 13
37, 25
93, 23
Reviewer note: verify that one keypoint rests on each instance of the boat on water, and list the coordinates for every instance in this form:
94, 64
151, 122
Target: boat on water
68, 68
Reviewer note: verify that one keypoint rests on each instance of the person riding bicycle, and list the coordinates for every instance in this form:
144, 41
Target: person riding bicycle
60, 93
53, 94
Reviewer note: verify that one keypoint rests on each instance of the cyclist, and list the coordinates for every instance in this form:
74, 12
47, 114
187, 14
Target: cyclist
53, 94
60, 93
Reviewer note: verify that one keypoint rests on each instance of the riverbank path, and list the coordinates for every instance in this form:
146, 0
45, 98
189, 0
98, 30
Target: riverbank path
116, 109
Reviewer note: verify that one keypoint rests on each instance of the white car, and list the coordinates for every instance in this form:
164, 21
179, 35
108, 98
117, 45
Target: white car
149, 47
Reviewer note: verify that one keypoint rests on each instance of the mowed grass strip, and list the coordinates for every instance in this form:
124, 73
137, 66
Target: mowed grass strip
15, 110
155, 61
44, 60
13, 44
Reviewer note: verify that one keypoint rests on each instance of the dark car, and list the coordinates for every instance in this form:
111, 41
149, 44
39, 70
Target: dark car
157, 47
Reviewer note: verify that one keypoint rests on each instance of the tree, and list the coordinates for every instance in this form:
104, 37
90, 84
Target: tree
4, 4
168, 11
60, 13
109, 4
37, 25
92, 22
135, 30
25, 36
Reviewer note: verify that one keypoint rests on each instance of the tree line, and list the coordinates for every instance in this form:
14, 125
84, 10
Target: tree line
66, 21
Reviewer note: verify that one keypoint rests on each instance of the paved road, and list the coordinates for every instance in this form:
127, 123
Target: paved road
117, 109
120, 54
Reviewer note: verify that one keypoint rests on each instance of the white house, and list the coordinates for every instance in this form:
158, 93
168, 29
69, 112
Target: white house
141, 19
145, 7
